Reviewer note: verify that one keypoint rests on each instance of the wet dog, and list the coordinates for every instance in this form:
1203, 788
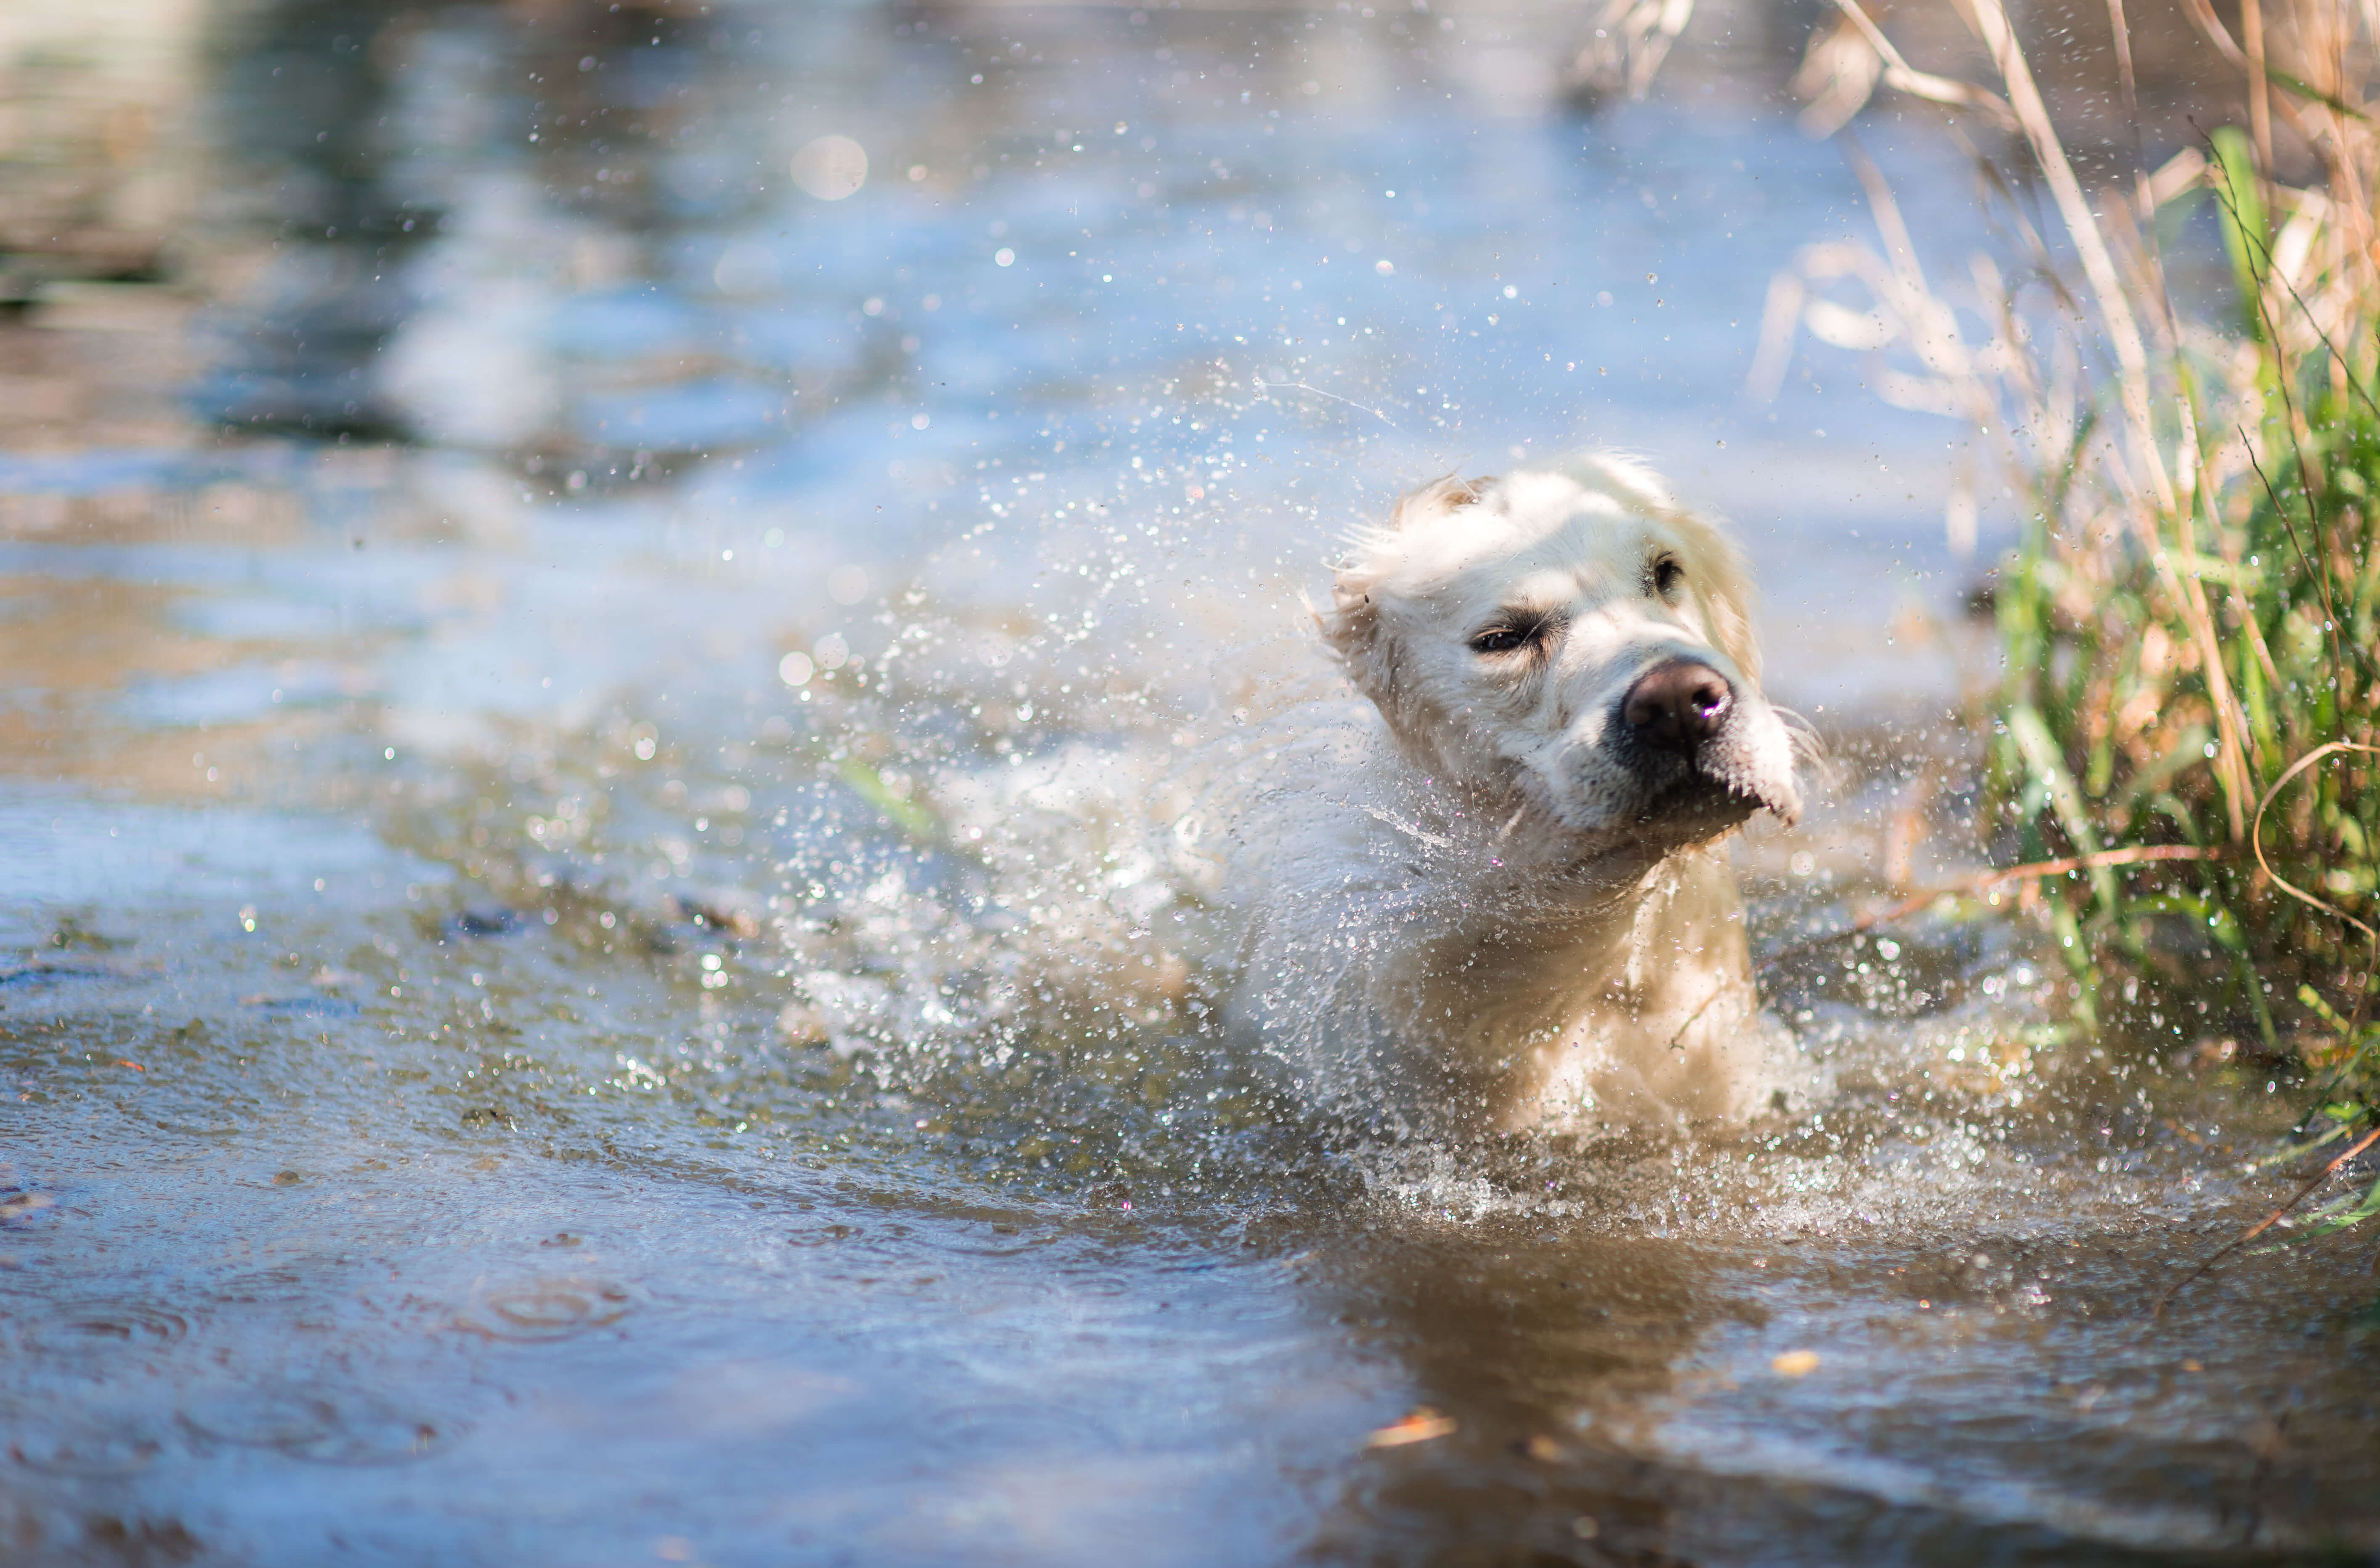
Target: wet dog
1492, 898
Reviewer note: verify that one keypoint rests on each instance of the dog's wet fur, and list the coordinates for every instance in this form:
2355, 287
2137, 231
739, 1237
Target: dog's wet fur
1495, 898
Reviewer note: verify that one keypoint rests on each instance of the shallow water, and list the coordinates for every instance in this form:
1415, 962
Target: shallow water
625, 979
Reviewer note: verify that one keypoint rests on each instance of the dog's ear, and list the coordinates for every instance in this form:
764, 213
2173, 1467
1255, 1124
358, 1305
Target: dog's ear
1369, 649
1714, 567
1351, 630
1352, 627
1440, 497
1722, 582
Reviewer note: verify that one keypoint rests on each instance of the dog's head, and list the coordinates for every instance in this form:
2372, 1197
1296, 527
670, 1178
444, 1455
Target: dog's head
1572, 637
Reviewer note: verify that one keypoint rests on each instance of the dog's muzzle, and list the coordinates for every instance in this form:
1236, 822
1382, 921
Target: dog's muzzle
1677, 705
1683, 716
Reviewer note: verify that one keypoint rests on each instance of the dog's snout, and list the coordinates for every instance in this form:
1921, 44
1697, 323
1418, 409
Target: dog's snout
1677, 704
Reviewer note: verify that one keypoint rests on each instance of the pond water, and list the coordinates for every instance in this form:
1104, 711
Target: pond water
620, 626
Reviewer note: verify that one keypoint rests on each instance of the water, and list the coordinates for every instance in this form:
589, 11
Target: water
625, 978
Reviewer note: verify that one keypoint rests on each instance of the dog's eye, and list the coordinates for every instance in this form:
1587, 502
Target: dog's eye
1666, 576
1504, 640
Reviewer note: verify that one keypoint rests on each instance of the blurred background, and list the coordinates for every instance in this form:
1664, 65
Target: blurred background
595, 294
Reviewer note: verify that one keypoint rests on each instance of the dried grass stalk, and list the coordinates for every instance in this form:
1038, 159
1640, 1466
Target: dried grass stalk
2189, 617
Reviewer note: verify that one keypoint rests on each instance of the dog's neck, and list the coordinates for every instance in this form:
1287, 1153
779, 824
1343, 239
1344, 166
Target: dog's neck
1509, 877
1457, 927
1509, 858
1527, 932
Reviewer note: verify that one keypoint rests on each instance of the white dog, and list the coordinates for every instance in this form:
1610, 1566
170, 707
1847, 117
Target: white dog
1493, 900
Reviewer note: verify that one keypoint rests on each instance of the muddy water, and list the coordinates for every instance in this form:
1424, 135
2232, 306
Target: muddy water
609, 804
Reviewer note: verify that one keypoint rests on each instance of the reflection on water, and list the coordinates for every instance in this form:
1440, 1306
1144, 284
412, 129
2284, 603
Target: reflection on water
629, 632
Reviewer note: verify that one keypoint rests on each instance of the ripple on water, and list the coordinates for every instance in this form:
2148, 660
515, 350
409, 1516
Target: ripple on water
86, 1445
190, 1094
261, 1415
323, 1425
539, 1310
209, 1121
370, 1432
1049, 1429
102, 1330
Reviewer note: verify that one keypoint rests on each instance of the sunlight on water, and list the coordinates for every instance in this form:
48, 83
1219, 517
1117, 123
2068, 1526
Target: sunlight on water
636, 641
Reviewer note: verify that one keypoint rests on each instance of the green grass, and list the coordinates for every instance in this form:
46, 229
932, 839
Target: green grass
2162, 679
2191, 620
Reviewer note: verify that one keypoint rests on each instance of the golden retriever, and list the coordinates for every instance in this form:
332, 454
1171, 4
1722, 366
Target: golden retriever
1494, 899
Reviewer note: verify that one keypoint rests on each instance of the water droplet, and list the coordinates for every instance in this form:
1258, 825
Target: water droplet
830, 167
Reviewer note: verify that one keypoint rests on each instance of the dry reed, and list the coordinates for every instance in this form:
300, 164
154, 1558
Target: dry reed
2189, 621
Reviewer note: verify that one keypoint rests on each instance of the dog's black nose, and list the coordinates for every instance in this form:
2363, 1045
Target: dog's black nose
1677, 704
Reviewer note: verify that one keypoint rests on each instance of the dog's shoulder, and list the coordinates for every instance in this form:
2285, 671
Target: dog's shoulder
1332, 819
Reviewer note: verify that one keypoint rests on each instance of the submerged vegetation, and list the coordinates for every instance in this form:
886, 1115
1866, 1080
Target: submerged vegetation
2182, 741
